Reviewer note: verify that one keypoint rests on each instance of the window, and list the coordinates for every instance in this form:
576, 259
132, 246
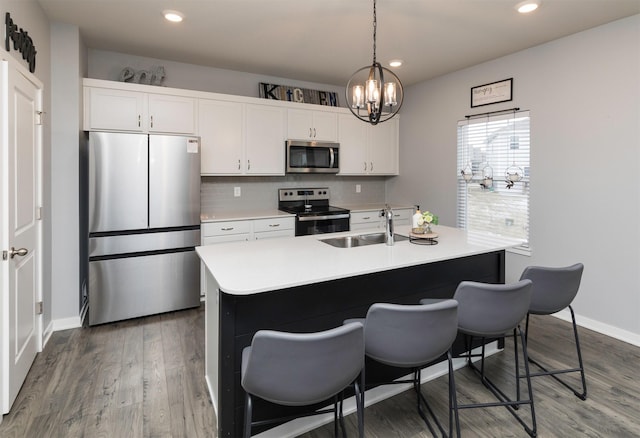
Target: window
489, 149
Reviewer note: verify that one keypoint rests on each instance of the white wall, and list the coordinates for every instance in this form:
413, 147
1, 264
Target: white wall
583, 92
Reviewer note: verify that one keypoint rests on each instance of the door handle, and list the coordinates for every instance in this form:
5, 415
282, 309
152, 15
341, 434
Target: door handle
21, 252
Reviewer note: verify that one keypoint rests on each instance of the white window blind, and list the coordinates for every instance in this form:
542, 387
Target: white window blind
495, 143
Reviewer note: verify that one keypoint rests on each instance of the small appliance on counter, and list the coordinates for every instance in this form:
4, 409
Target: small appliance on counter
313, 213
144, 224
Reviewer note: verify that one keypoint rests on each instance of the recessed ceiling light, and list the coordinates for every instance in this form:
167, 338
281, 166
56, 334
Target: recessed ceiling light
395, 63
527, 6
173, 16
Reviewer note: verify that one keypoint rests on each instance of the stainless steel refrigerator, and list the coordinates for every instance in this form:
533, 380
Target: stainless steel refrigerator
144, 224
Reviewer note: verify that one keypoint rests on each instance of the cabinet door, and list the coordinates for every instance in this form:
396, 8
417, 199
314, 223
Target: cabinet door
383, 148
172, 114
325, 126
299, 124
264, 139
352, 136
114, 110
221, 137
312, 125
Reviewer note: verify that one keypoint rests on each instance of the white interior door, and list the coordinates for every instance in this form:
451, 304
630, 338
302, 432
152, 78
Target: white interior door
22, 254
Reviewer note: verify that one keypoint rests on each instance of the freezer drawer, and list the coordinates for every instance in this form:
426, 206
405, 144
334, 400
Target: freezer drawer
129, 287
141, 242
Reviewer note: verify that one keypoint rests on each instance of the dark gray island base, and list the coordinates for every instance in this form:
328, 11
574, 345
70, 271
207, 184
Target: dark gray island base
323, 305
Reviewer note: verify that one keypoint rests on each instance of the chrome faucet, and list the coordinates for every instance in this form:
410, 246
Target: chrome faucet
388, 218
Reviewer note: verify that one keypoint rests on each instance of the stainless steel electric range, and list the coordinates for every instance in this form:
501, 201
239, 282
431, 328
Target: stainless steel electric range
313, 213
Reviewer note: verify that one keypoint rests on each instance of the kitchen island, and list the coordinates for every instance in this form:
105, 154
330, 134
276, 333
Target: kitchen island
302, 284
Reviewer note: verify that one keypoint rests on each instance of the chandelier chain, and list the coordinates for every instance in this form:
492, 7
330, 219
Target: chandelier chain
375, 26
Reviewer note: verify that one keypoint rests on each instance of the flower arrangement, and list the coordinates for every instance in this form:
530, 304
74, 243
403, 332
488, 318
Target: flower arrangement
428, 219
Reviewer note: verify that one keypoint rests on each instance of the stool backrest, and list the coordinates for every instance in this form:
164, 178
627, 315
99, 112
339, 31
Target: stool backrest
491, 309
410, 335
553, 288
296, 369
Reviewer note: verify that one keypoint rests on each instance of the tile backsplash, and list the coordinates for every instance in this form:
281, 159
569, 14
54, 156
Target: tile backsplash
261, 193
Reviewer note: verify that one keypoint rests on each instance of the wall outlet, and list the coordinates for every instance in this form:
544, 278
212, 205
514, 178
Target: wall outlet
237, 192
358, 188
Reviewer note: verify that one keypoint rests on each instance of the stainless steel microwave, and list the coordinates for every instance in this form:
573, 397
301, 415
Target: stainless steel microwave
312, 157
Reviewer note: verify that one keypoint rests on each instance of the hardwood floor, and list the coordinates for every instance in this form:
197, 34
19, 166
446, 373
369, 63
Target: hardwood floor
144, 378
137, 378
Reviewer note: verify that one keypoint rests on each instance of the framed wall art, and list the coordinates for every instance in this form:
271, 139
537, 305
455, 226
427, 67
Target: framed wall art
495, 92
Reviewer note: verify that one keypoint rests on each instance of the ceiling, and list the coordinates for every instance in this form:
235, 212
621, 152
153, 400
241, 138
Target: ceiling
325, 41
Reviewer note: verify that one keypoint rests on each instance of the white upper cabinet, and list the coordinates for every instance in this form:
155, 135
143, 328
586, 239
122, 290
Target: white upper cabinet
221, 137
241, 138
312, 125
383, 148
353, 145
172, 114
265, 139
114, 110
366, 149
123, 110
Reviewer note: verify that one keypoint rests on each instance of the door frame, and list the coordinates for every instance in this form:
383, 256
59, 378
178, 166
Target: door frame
10, 66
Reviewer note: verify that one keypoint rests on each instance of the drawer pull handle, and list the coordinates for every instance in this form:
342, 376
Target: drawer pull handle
226, 229
274, 225
366, 218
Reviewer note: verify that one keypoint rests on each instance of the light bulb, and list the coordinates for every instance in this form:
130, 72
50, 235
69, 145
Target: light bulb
390, 94
358, 97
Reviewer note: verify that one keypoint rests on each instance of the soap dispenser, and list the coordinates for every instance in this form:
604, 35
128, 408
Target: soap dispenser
415, 222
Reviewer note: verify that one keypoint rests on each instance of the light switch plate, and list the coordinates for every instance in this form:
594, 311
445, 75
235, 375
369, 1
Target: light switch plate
237, 192
358, 188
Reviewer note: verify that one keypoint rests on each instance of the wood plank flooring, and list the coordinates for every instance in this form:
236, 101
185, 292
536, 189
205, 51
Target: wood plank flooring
145, 378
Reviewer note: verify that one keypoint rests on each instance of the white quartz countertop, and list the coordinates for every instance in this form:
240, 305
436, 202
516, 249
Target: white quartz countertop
249, 267
219, 216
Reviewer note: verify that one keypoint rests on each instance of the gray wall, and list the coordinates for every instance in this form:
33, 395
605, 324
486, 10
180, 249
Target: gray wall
583, 92
68, 68
108, 65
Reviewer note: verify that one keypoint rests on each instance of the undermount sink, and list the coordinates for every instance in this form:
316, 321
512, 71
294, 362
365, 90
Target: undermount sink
361, 240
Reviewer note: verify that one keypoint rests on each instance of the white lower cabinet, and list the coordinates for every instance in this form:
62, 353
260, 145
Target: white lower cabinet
239, 230
362, 220
369, 219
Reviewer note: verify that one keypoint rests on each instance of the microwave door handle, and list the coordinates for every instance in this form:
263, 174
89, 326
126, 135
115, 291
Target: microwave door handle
332, 159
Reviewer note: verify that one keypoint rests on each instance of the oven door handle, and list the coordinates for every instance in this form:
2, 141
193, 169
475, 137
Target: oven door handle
332, 159
324, 218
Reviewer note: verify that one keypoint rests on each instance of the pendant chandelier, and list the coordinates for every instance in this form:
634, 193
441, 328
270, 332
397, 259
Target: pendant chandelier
374, 93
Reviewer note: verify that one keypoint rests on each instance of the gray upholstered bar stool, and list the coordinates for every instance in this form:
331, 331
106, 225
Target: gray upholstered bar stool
491, 311
412, 336
554, 290
303, 369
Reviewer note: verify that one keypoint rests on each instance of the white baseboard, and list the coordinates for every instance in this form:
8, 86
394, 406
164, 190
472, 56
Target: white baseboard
46, 335
600, 327
66, 323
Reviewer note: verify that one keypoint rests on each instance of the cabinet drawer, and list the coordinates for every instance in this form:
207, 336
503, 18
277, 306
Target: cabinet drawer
227, 227
275, 224
273, 234
360, 217
211, 240
403, 216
